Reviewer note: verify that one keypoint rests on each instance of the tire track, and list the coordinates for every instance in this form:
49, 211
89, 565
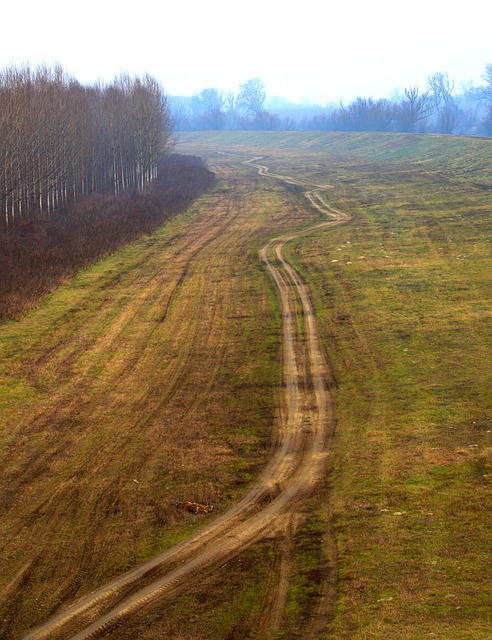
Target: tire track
305, 428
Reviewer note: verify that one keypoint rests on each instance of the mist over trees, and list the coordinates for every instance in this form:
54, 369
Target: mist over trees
483, 95
436, 108
61, 141
215, 110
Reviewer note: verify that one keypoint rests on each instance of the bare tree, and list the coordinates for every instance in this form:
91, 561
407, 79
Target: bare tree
415, 107
486, 123
252, 96
212, 99
207, 108
483, 93
60, 141
231, 106
441, 88
447, 120
266, 121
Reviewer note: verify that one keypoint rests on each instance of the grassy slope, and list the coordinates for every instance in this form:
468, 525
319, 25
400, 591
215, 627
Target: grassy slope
406, 318
408, 326
403, 297
408, 337
147, 380
409, 332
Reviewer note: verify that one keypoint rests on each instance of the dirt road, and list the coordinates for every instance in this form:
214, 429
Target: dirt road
303, 433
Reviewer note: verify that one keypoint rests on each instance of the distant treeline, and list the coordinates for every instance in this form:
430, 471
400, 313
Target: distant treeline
436, 109
61, 141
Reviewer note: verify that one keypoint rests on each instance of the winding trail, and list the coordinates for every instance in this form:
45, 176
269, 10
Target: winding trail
304, 432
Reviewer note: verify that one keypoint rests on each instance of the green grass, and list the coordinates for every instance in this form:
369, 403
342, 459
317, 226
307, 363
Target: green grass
100, 387
308, 570
402, 294
222, 606
405, 315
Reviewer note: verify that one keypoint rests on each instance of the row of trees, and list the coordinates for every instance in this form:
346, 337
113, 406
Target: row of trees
436, 109
216, 110
60, 140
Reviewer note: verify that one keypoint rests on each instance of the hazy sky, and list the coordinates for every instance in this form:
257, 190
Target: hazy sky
314, 49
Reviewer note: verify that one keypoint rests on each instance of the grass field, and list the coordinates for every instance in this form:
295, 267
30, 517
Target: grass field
403, 296
152, 377
406, 310
135, 386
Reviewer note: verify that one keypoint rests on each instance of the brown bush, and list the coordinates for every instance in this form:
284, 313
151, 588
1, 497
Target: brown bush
35, 256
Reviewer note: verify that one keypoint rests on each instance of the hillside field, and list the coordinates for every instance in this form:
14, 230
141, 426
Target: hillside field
403, 296
153, 376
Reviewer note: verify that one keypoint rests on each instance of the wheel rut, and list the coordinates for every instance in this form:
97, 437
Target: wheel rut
305, 429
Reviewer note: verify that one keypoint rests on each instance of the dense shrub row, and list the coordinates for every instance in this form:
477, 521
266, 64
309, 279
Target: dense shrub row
35, 255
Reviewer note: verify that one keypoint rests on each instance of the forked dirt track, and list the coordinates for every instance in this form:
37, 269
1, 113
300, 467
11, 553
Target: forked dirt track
304, 431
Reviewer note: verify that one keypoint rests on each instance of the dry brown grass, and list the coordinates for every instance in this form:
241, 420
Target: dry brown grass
148, 380
151, 379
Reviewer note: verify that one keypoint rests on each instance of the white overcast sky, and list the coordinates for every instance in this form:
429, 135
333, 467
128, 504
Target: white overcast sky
311, 50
